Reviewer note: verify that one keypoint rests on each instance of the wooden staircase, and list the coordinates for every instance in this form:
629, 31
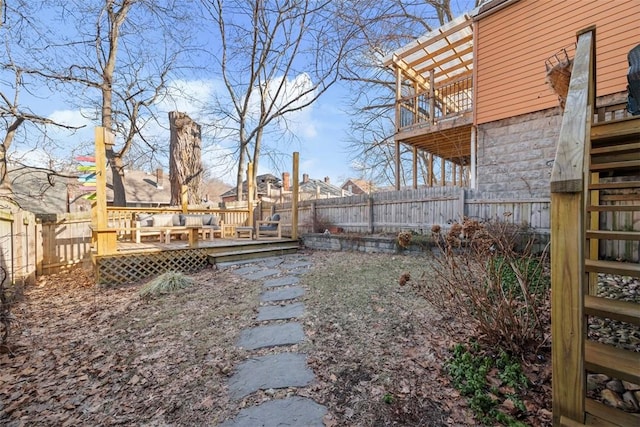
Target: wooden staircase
253, 249
596, 180
613, 189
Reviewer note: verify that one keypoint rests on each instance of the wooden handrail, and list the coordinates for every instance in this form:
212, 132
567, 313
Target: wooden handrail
568, 323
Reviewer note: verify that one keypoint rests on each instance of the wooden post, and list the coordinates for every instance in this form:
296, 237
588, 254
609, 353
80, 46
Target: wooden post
398, 118
184, 198
370, 207
250, 195
414, 167
430, 179
397, 165
105, 238
432, 97
443, 172
568, 322
472, 172
294, 200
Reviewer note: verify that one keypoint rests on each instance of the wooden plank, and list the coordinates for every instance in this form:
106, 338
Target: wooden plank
628, 164
613, 235
616, 148
624, 311
567, 175
603, 415
567, 319
615, 362
612, 267
614, 208
626, 127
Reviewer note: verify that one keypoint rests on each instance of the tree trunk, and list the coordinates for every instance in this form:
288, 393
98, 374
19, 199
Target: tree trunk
185, 158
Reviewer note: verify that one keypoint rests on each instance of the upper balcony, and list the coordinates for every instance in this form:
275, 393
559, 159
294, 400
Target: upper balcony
434, 91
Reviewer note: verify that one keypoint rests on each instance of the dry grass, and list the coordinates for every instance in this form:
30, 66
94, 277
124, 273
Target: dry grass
376, 347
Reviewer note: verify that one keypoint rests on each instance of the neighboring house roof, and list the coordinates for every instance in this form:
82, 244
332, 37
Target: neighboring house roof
358, 186
315, 186
263, 182
39, 191
150, 189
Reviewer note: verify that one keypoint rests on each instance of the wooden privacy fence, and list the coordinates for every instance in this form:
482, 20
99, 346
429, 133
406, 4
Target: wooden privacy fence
19, 238
66, 241
416, 210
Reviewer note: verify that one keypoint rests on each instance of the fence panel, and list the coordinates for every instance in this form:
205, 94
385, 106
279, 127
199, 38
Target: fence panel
18, 242
66, 241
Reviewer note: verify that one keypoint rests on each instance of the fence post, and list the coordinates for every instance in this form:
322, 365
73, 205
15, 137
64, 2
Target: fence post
296, 192
370, 207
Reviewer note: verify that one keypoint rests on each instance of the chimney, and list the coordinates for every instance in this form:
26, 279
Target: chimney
305, 178
159, 174
286, 181
326, 180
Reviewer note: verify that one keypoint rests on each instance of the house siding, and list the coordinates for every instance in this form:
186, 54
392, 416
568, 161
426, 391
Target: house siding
513, 44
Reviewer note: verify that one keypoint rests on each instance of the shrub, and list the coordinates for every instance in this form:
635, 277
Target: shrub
489, 274
166, 283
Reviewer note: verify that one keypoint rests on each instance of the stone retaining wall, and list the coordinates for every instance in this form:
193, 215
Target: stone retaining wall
350, 242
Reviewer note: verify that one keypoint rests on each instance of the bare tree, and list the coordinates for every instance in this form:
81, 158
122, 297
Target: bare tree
276, 58
124, 52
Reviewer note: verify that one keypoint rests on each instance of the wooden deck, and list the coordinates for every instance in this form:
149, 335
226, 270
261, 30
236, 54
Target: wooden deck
140, 261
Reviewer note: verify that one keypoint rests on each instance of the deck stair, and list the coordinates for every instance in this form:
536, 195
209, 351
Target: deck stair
613, 189
595, 181
252, 249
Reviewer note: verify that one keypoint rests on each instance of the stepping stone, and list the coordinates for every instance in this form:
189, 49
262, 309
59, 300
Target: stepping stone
292, 411
282, 294
261, 274
247, 270
281, 281
296, 264
271, 371
271, 336
273, 262
280, 312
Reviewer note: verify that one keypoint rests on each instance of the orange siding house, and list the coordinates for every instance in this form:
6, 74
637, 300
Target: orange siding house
513, 43
480, 106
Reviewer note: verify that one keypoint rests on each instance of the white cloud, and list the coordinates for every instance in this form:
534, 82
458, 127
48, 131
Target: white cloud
74, 118
189, 96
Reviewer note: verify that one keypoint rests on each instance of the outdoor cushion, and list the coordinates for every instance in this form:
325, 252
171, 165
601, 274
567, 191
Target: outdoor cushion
163, 220
146, 220
206, 219
175, 220
193, 221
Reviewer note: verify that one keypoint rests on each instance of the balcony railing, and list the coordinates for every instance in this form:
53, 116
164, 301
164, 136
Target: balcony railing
444, 102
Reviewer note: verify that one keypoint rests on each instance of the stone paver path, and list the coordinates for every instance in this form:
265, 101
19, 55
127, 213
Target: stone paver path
284, 369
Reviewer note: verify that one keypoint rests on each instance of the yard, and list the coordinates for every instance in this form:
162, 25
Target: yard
83, 355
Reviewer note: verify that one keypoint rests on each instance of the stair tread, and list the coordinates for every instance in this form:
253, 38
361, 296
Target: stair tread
613, 208
614, 185
252, 250
634, 146
628, 127
623, 164
598, 358
603, 412
613, 235
612, 267
624, 311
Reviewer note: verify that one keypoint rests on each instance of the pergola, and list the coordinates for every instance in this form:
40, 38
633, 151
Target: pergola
434, 98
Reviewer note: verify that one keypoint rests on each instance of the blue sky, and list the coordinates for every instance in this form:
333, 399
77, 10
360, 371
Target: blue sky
322, 129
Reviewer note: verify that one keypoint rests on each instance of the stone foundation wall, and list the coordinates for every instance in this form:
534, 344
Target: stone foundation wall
515, 155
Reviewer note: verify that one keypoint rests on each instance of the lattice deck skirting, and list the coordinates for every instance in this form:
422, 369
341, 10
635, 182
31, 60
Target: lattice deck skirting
121, 269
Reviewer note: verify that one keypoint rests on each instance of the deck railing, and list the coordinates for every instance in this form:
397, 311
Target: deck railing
124, 219
445, 101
